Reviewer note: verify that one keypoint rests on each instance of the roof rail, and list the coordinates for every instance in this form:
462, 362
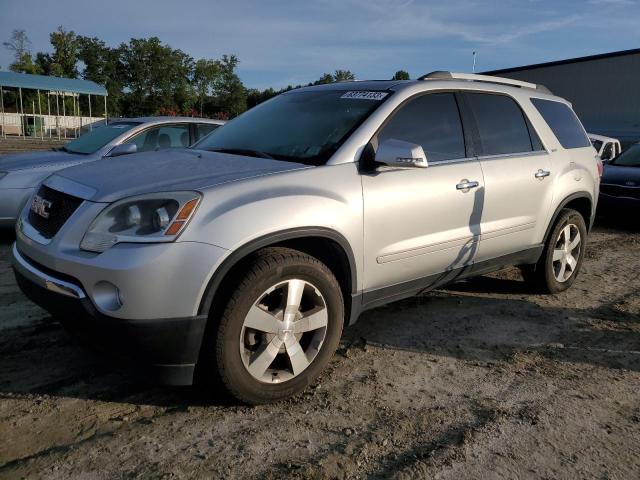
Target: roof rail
444, 75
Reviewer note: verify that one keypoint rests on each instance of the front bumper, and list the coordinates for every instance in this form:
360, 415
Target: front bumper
165, 349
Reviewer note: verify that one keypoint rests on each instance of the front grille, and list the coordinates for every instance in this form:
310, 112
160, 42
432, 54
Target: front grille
620, 191
61, 208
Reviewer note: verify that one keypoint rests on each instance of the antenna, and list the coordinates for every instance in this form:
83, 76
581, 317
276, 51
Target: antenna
474, 61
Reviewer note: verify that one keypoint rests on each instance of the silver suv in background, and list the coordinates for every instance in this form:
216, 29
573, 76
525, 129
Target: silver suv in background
239, 262
21, 173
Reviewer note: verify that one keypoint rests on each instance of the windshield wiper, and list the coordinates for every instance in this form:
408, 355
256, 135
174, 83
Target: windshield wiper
243, 151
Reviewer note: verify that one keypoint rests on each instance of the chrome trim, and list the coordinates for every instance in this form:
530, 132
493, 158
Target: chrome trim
70, 187
25, 228
42, 279
534, 153
433, 163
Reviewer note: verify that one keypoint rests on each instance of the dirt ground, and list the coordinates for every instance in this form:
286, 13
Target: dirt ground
479, 380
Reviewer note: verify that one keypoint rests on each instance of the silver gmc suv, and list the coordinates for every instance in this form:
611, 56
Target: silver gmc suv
238, 262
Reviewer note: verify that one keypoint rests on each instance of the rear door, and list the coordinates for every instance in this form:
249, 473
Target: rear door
517, 173
418, 222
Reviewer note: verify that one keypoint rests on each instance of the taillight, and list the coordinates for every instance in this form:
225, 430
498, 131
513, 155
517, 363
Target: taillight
600, 166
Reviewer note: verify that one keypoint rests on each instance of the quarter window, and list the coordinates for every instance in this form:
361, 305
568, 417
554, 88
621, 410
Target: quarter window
204, 129
502, 125
432, 121
564, 123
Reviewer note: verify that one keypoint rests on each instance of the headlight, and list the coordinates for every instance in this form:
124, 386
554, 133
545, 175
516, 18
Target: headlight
158, 217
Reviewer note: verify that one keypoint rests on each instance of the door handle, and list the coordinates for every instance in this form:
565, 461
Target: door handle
465, 185
541, 174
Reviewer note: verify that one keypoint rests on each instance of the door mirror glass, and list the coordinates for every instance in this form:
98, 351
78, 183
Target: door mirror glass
401, 154
123, 149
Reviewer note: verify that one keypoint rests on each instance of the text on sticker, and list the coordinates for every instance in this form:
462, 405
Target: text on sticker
362, 95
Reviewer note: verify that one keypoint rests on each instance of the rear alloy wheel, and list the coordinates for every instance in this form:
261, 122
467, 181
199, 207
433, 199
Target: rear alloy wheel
566, 253
562, 256
278, 330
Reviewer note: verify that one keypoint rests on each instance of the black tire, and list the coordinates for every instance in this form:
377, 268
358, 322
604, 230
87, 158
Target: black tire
221, 363
542, 275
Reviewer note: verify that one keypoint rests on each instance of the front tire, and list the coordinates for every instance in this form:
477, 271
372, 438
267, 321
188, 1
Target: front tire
279, 329
562, 257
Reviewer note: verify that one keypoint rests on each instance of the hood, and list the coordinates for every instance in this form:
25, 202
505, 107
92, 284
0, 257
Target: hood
625, 176
163, 171
24, 161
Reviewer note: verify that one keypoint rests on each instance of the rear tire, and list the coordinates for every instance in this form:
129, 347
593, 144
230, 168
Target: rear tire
562, 257
278, 330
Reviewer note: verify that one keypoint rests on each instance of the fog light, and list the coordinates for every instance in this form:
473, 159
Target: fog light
107, 296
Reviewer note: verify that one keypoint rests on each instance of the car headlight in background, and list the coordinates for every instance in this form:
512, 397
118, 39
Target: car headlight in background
152, 218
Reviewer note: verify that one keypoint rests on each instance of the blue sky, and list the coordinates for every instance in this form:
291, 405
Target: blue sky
291, 42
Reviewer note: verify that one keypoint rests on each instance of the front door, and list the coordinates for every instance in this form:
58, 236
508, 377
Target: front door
422, 222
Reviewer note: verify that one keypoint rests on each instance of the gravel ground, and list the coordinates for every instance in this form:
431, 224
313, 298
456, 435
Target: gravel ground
479, 380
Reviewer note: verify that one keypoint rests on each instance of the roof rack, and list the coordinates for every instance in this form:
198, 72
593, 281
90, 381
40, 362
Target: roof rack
444, 75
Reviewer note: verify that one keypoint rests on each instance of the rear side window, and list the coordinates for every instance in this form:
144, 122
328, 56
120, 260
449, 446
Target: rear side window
431, 121
563, 122
502, 126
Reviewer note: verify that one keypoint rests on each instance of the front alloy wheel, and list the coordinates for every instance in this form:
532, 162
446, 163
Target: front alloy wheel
283, 331
277, 331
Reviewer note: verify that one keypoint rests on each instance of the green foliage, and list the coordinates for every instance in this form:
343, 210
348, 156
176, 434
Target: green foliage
156, 75
25, 65
102, 65
400, 75
65, 53
147, 77
343, 76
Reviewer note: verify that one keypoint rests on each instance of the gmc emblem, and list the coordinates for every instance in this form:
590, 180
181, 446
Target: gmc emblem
40, 206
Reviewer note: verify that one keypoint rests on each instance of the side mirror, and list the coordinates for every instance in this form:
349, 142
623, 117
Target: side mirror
123, 149
401, 154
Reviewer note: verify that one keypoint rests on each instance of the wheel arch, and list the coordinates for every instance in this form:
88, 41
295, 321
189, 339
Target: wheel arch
328, 245
582, 202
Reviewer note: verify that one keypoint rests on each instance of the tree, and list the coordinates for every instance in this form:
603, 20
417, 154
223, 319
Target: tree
343, 76
20, 45
156, 76
205, 76
25, 65
102, 65
325, 78
65, 53
231, 96
43, 63
338, 76
401, 75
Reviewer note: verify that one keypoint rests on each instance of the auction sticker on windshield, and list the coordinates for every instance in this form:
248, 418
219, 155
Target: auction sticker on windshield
363, 95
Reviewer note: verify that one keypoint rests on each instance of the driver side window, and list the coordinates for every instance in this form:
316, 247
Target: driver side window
165, 136
431, 121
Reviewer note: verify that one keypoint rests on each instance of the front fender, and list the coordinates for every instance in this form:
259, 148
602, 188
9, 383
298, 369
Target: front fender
326, 198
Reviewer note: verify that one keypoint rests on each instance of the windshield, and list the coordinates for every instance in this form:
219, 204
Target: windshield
629, 158
306, 127
97, 138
